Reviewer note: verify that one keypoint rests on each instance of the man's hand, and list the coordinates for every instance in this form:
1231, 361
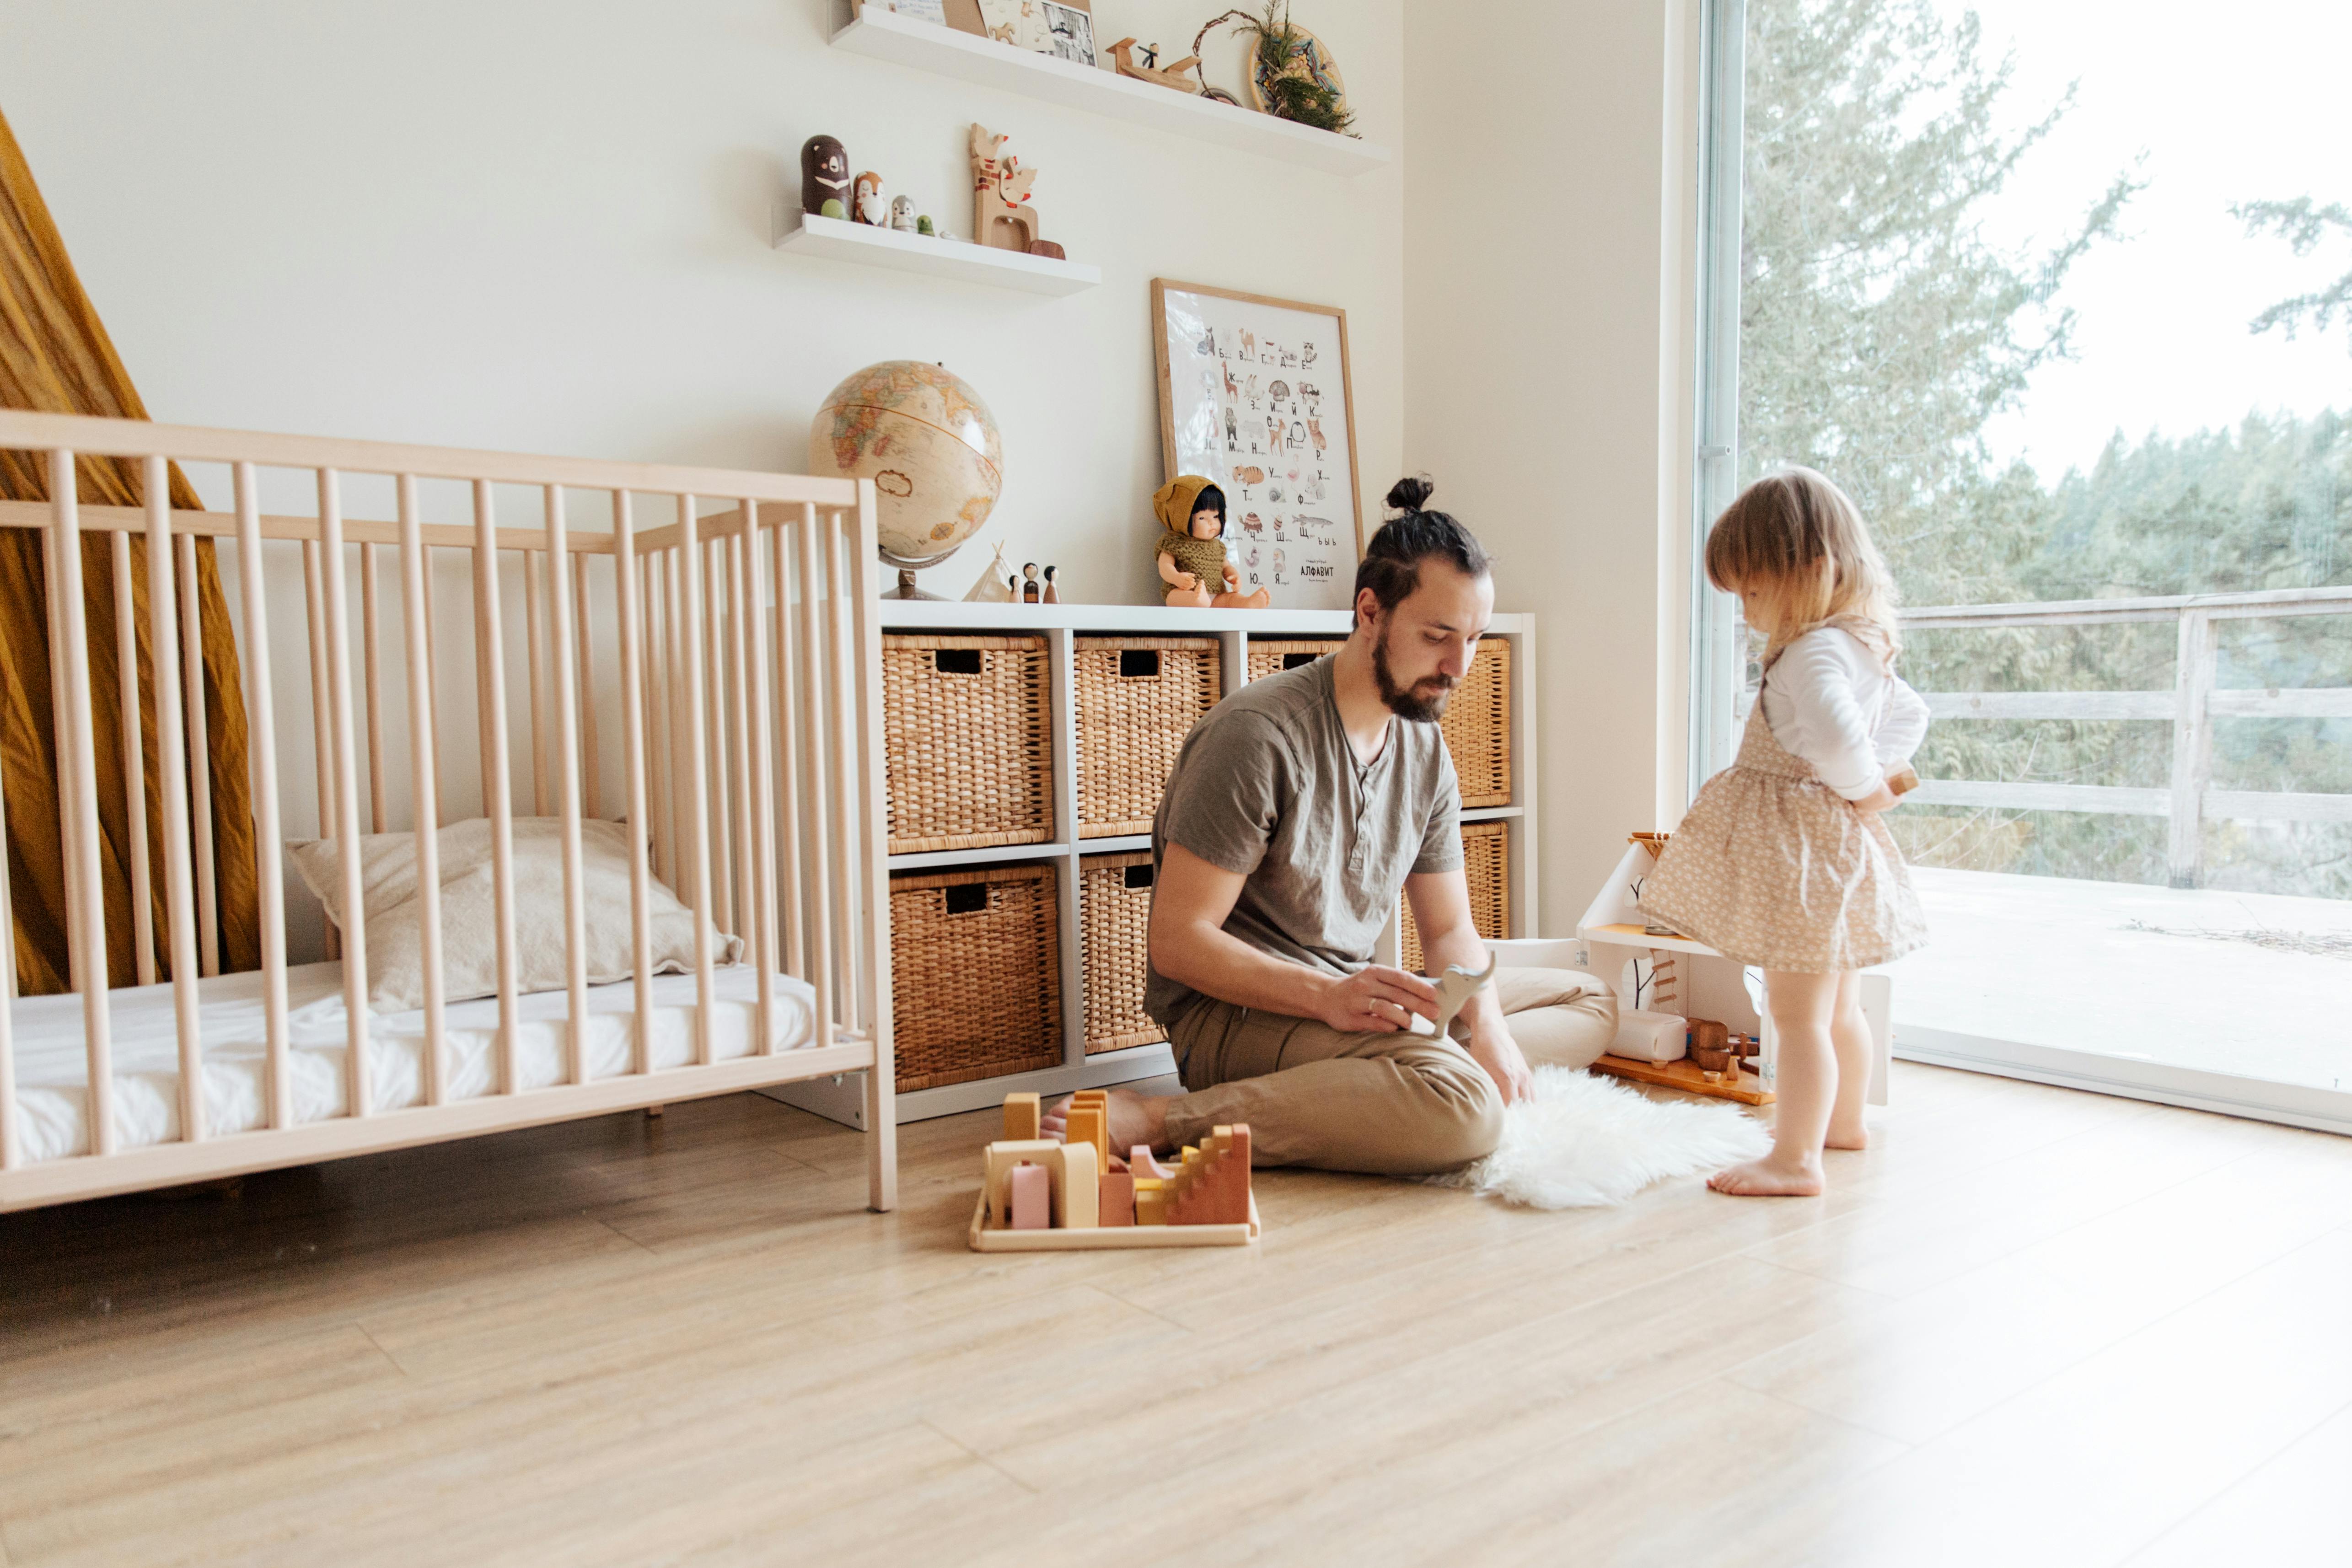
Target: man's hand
1378, 1000
1492, 1048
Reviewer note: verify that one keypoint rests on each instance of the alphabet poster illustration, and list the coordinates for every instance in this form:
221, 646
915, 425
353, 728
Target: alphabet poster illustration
1254, 394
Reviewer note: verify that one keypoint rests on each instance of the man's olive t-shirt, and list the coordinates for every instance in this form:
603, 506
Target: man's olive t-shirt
1267, 786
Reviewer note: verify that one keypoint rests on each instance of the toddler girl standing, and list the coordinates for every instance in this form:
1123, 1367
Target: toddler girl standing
1782, 861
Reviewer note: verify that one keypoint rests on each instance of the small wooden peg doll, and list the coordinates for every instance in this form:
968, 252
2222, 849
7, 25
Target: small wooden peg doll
1053, 589
1032, 591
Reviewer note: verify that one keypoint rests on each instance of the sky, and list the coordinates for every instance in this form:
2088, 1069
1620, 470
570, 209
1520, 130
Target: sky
2218, 105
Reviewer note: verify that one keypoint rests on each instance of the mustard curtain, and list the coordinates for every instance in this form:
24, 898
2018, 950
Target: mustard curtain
55, 357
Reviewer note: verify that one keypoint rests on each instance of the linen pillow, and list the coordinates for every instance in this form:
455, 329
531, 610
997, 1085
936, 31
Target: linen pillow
470, 958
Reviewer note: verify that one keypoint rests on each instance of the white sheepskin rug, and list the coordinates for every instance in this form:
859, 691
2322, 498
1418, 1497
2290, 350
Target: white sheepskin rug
1587, 1141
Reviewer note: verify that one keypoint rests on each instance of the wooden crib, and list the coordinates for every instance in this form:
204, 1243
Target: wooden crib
739, 633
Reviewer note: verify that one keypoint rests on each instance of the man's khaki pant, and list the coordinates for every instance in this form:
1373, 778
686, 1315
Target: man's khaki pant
1396, 1104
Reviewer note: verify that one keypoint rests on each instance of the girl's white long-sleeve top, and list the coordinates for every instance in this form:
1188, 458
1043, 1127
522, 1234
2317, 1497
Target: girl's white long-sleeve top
1831, 701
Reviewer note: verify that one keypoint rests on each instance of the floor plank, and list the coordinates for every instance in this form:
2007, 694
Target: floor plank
683, 1340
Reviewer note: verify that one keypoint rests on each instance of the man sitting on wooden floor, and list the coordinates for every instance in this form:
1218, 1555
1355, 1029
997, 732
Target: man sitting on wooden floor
1298, 808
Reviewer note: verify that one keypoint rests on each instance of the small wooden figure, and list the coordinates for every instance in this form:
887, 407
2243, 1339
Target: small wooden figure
1192, 551
1457, 986
1032, 1187
1001, 214
902, 214
825, 177
1032, 591
1122, 54
868, 205
1053, 589
923, 225
1022, 1113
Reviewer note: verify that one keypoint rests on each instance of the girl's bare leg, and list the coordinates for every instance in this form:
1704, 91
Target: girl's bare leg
1850, 1038
1803, 1008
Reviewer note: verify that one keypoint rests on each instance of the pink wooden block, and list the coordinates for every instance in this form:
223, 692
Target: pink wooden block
1139, 1162
1032, 1197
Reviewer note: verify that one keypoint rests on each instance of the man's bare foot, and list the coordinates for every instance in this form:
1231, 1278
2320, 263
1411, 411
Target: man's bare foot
1764, 1179
1846, 1135
1134, 1119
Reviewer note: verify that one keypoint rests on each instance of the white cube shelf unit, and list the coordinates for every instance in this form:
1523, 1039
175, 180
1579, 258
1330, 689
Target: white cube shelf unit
843, 1099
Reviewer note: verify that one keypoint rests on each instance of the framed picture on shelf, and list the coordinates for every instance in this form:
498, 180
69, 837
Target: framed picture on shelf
1061, 27
1254, 392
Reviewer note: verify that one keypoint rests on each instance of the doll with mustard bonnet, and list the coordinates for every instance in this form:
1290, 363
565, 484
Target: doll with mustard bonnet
1191, 552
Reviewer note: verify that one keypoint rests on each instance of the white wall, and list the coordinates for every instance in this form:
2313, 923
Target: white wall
545, 225
1547, 238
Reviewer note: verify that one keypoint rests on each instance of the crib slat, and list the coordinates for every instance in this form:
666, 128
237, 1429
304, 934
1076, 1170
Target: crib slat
788, 780
712, 558
592, 801
534, 631
836, 756
739, 746
870, 832
261, 728
673, 576
171, 770
200, 754
496, 784
371, 653
655, 678
821, 906
134, 759
625, 584
314, 597
78, 757
347, 792
697, 793
415, 599
749, 717
432, 666
560, 566
68, 823
12, 1152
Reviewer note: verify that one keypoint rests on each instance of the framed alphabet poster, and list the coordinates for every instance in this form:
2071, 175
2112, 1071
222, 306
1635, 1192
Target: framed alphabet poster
1254, 392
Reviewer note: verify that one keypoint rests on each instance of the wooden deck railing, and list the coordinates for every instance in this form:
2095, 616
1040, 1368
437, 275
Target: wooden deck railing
2190, 707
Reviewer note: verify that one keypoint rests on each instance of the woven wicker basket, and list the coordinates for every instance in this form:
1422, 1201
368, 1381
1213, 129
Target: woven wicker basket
1272, 658
1477, 722
1487, 866
1138, 698
1115, 920
964, 722
975, 975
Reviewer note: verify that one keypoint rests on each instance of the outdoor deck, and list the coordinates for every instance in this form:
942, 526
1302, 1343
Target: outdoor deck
2160, 974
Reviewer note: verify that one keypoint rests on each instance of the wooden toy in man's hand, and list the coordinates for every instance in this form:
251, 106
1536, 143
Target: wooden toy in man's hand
825, 177
1192, 551
1457, 986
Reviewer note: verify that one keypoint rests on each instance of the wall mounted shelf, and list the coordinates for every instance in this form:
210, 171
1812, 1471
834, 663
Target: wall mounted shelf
837, 239
926, 46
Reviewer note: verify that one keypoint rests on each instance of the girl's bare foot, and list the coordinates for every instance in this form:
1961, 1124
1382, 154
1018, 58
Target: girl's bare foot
1134, 1119
1765, 1179
1844, 1134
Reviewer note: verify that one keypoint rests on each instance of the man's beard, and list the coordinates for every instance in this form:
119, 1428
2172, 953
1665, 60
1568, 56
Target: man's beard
1420, 704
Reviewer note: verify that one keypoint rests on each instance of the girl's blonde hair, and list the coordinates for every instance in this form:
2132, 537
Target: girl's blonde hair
1796, 539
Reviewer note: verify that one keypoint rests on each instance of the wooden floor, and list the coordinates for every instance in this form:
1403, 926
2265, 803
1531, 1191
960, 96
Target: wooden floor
2032, 1327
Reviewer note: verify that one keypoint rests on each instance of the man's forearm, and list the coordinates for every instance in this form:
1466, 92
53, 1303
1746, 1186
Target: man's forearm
1230, 969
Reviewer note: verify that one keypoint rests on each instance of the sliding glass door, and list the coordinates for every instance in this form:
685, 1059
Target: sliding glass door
2066, 305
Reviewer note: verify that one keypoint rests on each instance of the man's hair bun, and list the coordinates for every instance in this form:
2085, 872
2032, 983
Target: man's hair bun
1407, 495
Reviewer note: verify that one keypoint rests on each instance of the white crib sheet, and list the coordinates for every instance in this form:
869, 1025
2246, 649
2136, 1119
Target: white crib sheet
52, 1066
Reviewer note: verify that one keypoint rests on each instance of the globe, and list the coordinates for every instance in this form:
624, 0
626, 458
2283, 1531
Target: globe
929, 445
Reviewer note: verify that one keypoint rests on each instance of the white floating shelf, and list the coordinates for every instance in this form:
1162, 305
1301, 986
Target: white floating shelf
927, 46
838, 239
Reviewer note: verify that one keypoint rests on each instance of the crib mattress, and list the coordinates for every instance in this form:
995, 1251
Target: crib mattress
52, 1066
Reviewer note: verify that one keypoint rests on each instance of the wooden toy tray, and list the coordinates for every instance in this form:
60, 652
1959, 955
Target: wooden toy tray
984, 1238
1684, 1074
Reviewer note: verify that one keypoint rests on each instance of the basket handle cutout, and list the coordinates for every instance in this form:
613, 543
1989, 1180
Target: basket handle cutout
967, 898
1139, 663
1139, 877
1293, 660
956, 660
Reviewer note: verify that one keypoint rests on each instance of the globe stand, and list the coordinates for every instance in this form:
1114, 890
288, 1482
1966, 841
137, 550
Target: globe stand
906, 589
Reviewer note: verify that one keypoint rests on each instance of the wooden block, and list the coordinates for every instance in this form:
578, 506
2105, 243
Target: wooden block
1089, 1124
998, 1161
1077, 1189
1707, 1035
1140, 1163
1023, 1118
1213, 1188
1115, 1200
1032, 1188
1150, 1203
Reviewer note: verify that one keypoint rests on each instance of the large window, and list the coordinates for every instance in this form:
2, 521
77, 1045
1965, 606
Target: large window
2062, 296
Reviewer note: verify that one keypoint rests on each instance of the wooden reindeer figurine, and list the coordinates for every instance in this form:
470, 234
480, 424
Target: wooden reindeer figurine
1122, 52
1001, 214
